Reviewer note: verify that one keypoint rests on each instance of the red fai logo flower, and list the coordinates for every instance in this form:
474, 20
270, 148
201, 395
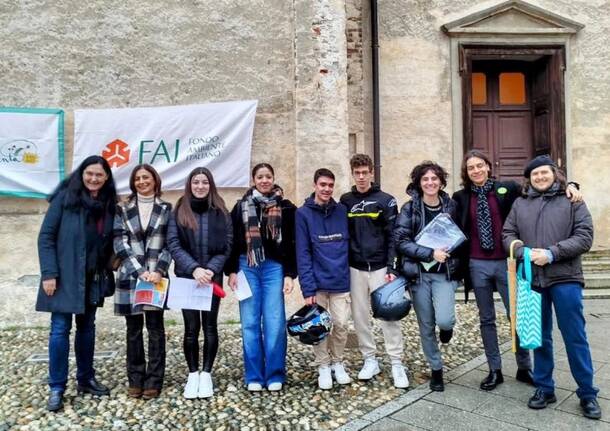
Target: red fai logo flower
116, 153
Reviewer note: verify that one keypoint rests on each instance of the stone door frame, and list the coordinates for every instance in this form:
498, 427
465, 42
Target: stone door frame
511, 24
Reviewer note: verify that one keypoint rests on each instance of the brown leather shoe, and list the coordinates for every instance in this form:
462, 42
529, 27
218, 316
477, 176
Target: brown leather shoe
150, 393
134, 392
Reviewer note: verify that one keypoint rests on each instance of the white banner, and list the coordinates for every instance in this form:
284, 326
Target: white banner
31, 151
173, 139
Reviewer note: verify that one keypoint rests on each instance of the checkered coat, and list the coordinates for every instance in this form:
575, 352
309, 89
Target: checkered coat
138, 250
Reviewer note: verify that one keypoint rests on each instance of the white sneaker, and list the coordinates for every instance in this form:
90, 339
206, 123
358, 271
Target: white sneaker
255, 387
399, 375
340, 375
274, 387
206, 387
325, 378
369, 369
192, 386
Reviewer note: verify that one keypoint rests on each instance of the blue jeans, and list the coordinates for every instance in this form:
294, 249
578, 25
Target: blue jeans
487, 275
434, 304
59, 348
567, 300
263, 323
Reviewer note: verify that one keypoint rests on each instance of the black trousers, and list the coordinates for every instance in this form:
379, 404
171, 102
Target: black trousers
140, 374
194, 320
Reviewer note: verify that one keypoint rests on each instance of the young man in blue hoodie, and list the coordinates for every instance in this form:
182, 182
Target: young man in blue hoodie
322, 261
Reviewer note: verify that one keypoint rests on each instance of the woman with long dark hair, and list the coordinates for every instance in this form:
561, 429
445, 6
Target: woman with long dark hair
432, 285
263, 223
199, 238
74, 248
140, 227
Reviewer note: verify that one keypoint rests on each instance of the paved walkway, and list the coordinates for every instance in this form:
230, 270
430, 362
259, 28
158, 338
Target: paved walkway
463, 406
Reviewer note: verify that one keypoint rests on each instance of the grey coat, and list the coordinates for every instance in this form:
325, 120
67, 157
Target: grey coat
551, 221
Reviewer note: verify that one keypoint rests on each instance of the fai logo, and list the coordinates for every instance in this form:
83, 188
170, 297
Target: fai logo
116, 153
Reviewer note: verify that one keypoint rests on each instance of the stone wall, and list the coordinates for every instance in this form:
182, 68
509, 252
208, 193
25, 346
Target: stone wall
416, 111
71, 54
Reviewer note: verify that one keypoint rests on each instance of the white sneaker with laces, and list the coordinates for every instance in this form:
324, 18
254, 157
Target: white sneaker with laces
274, 387
341, 375
206, 387
255, 387
399, 375
369, 369
192, 386
325, 378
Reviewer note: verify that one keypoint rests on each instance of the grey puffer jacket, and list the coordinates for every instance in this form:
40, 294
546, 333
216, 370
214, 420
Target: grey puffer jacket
550, 221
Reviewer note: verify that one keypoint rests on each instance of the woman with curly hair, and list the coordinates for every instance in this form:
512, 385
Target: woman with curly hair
431, 272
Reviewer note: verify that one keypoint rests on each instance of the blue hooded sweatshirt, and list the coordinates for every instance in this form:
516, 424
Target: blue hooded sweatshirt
322, 241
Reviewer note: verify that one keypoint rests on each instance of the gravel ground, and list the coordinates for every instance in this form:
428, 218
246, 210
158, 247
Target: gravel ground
301, 405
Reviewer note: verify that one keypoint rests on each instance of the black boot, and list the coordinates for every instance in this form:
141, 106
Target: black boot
591, 409
525, 376
55, 401
93, 387
540, 400
445, 335
493, 379
436, 381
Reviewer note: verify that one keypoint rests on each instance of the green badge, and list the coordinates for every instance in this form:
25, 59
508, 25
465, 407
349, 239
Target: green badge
502, 190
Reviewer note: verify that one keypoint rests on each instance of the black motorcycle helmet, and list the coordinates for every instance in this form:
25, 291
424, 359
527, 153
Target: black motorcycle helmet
391, 302
311, 324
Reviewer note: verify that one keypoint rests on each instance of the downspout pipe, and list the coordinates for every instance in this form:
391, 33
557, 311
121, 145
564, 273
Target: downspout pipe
375, 71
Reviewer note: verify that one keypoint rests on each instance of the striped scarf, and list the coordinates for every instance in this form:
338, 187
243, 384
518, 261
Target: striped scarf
484, 223
271, 218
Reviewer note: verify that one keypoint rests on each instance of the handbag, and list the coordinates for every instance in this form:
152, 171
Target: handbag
529, 309
102, 286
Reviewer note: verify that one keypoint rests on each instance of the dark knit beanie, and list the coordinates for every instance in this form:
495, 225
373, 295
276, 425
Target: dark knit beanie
536, 163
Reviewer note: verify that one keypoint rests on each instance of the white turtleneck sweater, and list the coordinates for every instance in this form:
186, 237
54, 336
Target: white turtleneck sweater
145, 207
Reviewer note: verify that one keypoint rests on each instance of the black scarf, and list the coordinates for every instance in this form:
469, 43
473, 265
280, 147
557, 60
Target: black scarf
484, 221
95, 208
199, 205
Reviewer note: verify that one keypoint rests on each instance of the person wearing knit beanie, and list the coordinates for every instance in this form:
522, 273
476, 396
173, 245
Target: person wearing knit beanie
536, 162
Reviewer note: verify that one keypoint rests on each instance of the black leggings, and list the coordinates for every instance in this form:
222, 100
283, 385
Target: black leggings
193, 321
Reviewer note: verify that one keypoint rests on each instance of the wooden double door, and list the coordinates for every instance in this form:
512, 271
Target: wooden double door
513, 106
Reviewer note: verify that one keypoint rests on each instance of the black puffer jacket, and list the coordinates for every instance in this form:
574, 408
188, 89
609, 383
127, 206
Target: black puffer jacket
207, 247
409, 223
550, 221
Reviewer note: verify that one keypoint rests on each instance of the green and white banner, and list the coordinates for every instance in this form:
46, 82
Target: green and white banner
31, 151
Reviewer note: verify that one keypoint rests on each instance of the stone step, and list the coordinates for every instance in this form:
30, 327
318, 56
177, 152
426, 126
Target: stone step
599, 280
596, 265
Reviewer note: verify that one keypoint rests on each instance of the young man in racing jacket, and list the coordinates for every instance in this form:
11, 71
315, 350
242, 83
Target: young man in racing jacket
371, 215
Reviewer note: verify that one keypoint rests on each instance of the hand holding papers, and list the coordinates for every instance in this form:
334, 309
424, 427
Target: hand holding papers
243, 290
189, 295
150, 294
441, 233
